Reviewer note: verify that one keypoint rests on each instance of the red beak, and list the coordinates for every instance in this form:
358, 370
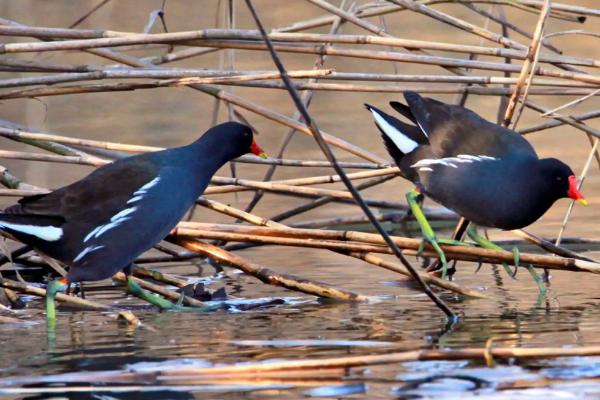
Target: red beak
255, 149
574, 193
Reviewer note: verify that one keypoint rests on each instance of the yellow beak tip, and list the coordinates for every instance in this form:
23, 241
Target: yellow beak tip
583, 202
263, 155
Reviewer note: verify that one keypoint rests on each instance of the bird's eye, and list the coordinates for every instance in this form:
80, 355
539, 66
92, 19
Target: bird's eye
559, 178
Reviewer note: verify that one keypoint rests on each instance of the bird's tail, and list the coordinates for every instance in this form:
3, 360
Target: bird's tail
400, 138
40, 227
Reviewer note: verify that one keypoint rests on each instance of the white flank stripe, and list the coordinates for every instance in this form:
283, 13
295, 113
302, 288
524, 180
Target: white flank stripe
404, 143
108, 227
122, 214
115, 221
48, 233
92, 233
147, 186
469, 157
134, 199
86, 251
425, 169
451, 161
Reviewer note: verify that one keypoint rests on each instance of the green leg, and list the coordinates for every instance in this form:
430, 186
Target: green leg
136, 290
488, 244
539, 280
51, 290
426, 230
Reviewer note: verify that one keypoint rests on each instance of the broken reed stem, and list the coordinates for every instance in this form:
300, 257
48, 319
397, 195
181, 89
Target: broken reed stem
529, 65
354, 250
183, 76
239, 101
391, 358
433, 214
319, 86
221, 38
549, 246
60, 297
189, 76
269, 276
159, 276
240, 185
369, 258
19, 134
370, 242
287, 187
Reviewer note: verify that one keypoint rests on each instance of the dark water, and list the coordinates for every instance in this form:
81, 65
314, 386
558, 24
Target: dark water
302, 328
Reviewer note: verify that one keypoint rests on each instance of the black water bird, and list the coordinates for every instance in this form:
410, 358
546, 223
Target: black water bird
486, 173
100, 224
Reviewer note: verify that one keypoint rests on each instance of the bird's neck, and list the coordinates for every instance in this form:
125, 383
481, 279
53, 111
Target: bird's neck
208, 156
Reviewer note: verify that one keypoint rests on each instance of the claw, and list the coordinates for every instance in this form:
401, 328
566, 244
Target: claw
488, 244
479, 265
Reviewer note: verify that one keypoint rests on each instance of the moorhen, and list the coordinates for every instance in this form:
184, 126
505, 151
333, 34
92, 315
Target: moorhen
102, 223
488, 174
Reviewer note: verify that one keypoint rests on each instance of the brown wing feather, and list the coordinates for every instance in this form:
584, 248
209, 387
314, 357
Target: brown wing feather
455, 130
103, 186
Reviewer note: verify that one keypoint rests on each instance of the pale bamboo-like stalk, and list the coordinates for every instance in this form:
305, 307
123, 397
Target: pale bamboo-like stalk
268, 276
535, 48
233, 99
173, 77
131, 148
60, 297
528, 70
343, 87
342, 240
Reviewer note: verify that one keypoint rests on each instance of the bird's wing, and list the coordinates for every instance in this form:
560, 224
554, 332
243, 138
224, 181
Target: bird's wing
77, 209
101, 194
454, 130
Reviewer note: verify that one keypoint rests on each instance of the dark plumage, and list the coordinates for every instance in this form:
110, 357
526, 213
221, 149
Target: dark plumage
100, 224
486, 173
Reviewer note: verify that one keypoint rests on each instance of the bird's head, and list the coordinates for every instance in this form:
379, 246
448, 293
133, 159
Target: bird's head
239, 136
562, 179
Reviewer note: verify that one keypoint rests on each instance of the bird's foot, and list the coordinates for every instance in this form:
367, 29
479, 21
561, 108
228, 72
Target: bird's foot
135, 289
429, 237
488, 244
52, 289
